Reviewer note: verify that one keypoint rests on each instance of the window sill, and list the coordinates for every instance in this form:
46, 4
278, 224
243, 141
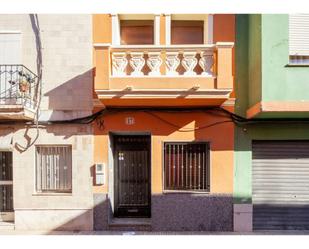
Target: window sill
52, 194
185, 192
297, 65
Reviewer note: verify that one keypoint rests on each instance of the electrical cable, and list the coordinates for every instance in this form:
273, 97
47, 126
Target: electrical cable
218, 111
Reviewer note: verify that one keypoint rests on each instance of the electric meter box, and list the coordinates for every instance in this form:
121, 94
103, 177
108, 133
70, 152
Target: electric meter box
100, 173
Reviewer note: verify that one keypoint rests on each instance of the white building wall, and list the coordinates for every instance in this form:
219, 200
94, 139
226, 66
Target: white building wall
66, 60
66, 93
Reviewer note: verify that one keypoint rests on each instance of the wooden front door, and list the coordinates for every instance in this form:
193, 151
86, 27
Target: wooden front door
132, 176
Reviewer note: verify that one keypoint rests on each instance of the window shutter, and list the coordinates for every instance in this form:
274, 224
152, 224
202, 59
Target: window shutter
10, 48
299, 34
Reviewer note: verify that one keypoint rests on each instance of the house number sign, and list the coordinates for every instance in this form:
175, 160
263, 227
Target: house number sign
130, 121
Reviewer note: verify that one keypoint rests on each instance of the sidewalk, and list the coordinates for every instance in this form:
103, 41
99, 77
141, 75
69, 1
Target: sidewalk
130, 233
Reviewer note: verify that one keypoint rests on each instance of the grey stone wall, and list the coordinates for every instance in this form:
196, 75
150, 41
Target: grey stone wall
100, 211
192, 212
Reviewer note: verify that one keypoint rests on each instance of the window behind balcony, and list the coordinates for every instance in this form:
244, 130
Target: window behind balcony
186, 166
299, 38
136, 32
187, 32
54, 168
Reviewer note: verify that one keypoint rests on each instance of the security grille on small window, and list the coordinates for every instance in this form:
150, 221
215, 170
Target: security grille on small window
186, 166
54, 168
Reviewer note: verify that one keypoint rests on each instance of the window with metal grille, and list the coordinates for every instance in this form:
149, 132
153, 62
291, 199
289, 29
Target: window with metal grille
54, 168
186, 166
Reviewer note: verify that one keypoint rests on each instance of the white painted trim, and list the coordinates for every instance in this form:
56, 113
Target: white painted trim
10, 32
157, 30
179, 76
225, 44
101, 45
115, 29
167, 29
164, 94
167, 90
210, 29
179, 47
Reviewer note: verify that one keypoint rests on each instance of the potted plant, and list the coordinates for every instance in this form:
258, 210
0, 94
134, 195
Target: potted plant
24, 86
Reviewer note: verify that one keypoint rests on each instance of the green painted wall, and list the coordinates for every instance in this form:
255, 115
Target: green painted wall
280, 82
243, 152
262, 74
248, 62
262, 64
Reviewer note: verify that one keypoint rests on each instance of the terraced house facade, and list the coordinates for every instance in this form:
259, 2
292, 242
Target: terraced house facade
163, 122
168, 161
46, 70
271, 149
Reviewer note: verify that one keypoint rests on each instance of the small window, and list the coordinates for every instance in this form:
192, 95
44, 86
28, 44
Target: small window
299, 38
187, 32
54, 168
186, 166
137, 32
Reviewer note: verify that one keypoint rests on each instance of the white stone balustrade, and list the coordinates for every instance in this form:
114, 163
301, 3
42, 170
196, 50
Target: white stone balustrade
155, 58
172, 63
154, 63
189, 62
206, 63
137, 63
119, 62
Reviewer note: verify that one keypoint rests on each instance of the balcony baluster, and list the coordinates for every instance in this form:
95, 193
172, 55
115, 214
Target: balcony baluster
137, 63
172, 62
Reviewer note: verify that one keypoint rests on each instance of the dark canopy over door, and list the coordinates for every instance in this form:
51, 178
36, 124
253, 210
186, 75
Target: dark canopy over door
132, 176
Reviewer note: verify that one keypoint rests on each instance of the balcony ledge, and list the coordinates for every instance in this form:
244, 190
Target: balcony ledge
276, 107
164, 94
16, 112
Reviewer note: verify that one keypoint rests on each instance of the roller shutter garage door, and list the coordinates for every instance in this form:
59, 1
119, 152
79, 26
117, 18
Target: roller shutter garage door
280, 185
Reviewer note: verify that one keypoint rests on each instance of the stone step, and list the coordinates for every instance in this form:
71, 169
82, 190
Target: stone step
129, 224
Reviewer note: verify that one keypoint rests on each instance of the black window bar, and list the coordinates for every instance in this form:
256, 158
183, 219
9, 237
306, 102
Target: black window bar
186, 166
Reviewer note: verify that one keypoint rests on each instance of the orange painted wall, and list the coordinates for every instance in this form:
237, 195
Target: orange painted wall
102, 28
220, 137
224, 31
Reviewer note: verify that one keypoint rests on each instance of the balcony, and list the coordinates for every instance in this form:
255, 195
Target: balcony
175, 75
18, 93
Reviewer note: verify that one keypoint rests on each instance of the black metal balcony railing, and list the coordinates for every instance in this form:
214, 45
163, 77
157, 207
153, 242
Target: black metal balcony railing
18, 86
